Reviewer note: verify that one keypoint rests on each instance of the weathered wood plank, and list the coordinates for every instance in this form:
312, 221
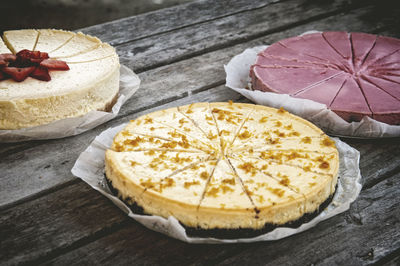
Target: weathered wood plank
366, 233
375, 164
160, 85
78, 206
169, 47
363, 235
66, 218
173, 18
50, 204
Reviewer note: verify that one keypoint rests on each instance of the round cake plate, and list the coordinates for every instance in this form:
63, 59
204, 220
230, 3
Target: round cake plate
237, 79
129, 84
90, 168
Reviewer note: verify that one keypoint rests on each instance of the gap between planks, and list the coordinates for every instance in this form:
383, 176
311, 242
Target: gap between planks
249, 37
227, 45
169, 100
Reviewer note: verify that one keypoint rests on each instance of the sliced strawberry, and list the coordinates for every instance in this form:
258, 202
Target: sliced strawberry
39, 55
5, 59
54, 64
41, 73
26, 57
8, 57
25, 54
18, 74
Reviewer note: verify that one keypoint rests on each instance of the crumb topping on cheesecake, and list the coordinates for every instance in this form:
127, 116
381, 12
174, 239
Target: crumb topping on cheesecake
223, 165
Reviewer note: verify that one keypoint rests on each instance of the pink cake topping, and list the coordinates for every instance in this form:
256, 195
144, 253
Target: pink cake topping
353, 74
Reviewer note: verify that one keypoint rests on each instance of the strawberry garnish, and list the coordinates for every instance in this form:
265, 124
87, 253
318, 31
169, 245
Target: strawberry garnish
29, 63
41, 73
54, 64
5, 59
17, 73
8, 57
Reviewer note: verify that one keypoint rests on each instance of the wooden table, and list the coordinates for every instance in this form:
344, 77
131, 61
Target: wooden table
48, 216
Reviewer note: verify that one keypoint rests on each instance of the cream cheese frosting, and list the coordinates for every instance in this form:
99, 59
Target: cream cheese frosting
92, 83
223, 165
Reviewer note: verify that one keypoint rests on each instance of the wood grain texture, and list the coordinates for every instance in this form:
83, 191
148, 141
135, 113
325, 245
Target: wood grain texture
372, 221
161, 85
55, 217
169, 47
149, 24
62, 218
73, 213
48, 216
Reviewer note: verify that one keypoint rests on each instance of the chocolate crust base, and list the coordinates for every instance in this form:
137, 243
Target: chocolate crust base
229, 233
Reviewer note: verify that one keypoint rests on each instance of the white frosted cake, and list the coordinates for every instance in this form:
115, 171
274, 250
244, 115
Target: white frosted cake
90, 80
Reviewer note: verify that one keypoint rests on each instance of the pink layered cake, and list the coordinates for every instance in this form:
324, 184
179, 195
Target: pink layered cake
353, 74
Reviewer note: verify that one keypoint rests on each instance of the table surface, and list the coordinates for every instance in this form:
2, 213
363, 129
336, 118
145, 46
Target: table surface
47, 216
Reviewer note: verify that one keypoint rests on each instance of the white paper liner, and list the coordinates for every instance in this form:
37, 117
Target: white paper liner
90, 168
128, 84
237, 78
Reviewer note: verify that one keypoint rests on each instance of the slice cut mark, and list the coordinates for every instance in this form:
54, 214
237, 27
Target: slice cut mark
195, 137
264, 190
391, 78
319, 83
324, 92
88, 61
229, 121
362, 44
375, 97
316, 165
263, 129
129, 141
49, 40
3, 47
200, 116
216, 126
351, 110
242, 184
270, 58
387, 59
239, 129
100, 51
78, 44
340, 42
383, 46
306, 183
36, 41
148, 125
385, 85
224, 191
250, 166
160, 166
208, 178
281, 51
183, 185
308, 143
167, 143
277, 78
17, 40
316, 46
301, 66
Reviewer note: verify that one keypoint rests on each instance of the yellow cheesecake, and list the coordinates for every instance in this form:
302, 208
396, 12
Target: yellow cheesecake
91, 83
223, 165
